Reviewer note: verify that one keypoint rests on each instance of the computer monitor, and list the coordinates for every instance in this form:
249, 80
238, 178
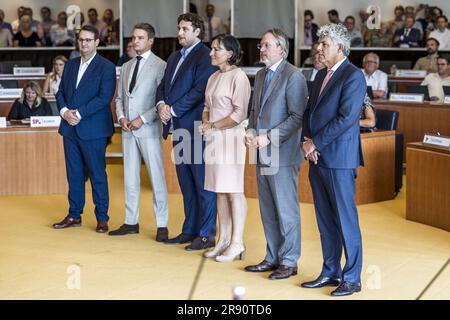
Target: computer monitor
419, 90
370, 92
446, 90
9, 84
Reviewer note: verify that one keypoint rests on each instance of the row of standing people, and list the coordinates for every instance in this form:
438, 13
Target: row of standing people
197, 84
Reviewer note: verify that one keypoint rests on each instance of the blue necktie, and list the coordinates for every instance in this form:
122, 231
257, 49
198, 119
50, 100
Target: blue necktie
267, 80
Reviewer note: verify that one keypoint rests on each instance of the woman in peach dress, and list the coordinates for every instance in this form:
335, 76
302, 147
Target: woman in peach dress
226, 104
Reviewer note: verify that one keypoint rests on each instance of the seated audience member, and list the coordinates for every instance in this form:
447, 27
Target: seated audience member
435, 81
333, 16
365, 30
398, 22
367, 120
60, 34
442, 33
47, 21
127, 56
31, 104
53, 79
4, 24
108, 19
26, 37
381, 38
429, 63
45, 41
115, 32
411, 11
375, 78
34, 23
408, 36
356, 39
98, 24
5, 35
15, 25
309, 62
317, 66
310, 28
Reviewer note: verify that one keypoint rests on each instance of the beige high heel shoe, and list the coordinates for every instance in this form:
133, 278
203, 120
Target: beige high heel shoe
217, 250
234, 251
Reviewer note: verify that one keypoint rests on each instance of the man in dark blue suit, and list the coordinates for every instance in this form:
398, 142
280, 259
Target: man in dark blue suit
83, 99
332, 144
181, 98
407, 36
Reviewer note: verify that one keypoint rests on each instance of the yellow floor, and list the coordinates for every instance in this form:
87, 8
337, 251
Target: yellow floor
37, 262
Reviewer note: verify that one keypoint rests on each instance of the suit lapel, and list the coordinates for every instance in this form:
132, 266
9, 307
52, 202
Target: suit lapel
337, 75
144, 69
272, 83
126, 78
74, 74
259, 82
87, 74
186, 62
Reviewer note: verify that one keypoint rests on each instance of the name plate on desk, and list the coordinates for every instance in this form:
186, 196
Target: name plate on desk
36, 122
447, 100
29, 71
10, 93
411, 73
2, 122
406, 97
436, 140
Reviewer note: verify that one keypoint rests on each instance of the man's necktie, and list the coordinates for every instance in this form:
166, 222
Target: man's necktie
135, 73
210, 29
325, 81
267, 80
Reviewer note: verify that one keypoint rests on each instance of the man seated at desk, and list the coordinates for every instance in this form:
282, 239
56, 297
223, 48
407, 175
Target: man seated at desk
31, 104
375, 78
435, 81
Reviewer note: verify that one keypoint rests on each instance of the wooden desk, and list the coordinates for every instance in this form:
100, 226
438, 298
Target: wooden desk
416, 119
428, 185
375, 181
31, 161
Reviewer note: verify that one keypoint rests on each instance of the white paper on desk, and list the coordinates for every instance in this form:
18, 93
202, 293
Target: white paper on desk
52, 121
411, 73
406, 97
29, 71
11, 93
2, 122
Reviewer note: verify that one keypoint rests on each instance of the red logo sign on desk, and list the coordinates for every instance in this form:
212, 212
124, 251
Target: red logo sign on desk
45, 121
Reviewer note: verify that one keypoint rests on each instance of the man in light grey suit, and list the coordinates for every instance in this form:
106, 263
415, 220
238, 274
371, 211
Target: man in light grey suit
275, 121
141, 131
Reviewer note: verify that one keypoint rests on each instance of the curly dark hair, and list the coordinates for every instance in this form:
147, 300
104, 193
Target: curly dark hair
196, 20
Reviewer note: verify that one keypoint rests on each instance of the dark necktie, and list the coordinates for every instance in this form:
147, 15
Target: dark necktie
135, 73
210, 29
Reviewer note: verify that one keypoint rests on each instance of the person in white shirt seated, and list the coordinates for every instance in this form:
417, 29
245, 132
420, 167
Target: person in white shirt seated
375, 78
435, 81
442, 33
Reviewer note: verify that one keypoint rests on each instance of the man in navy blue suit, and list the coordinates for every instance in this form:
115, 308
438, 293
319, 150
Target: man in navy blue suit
181, 98
407, 36
83, 99
332, 144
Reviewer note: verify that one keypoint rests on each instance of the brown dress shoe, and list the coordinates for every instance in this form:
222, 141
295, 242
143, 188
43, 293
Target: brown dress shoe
102, 227
283, 272
162, 234
67, 223
261, 267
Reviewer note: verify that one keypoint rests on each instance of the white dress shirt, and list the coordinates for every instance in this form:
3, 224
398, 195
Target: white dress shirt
81, 70
442, 37
378, 80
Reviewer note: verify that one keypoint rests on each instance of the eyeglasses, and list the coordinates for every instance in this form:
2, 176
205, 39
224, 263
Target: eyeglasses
265, 46
81, 40
373, 62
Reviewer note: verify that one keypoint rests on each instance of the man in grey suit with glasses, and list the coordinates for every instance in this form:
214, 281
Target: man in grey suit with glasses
275, 121
141, 131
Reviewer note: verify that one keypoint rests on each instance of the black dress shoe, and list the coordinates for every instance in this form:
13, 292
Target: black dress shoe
125, 229
102, 227
261, 267
162, 234
346, 289
181, 238
201, 243
321, 282
67, 223
283, 272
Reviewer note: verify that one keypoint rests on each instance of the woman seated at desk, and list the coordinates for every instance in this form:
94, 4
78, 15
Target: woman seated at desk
31, 104
51, 84
367, 120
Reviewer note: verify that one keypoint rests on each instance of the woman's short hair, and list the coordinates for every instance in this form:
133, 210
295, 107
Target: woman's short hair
36, 88
230, 43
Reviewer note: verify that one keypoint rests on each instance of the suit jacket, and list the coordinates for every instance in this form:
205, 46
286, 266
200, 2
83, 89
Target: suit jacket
332, 119
186, 94
92, 98
282, 109
141, 102
413, 38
